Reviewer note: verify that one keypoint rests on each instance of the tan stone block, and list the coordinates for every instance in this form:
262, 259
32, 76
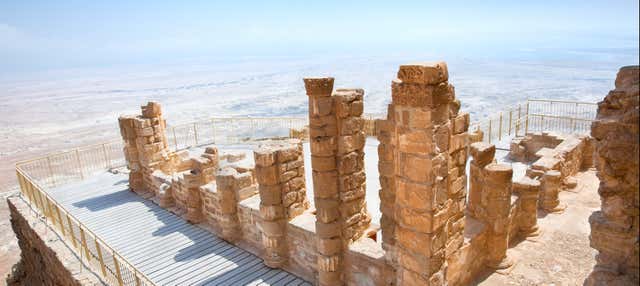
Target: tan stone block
357, 107
411, 94
329, 246
352, 194
425, 73
351, 143
319, 86
482, 153
273, 228
348, 208
421, 264
413, 195
461, 123
296, 183
351, 125
325, 184
416, 168
267, 175
458, 142
323, 146
442, 137
322, 106
323, 163
348, 163
443, 93
440, 114
352, 181
417, 141
271, 212
328, 230
289, 198
408, 277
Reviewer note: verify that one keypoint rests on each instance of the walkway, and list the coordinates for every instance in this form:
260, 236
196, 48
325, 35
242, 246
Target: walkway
161, 245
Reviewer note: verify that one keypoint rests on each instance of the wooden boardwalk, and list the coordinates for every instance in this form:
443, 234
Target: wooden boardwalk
161, 245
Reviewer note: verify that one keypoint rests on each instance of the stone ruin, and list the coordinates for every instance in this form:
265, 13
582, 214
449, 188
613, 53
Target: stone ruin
433, 232
614, 228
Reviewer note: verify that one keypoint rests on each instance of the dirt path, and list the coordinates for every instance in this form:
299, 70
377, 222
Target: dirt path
561, 255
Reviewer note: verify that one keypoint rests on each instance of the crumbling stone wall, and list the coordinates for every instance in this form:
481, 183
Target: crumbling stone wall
145, 144
423, 157
337, 141
44, 258
280, 175
614, 228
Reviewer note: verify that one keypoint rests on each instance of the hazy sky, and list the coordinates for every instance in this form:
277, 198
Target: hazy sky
62, 34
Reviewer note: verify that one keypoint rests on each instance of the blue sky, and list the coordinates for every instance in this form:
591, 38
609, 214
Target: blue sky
62, 34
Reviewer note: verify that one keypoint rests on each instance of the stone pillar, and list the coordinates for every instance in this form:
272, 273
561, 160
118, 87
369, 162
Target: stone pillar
528, 190
549, 190
496, 196
280, 175
387, 193
614, 228
337, 159
483, 154
145, 144
229, 182
429, 159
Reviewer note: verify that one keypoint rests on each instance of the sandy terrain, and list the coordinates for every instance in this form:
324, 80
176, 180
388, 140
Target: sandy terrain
561, 255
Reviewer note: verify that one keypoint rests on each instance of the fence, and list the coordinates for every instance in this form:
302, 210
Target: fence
536, 115
34, 176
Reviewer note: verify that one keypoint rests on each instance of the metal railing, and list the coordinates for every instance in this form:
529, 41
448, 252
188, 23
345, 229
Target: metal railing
36, 175
537, 115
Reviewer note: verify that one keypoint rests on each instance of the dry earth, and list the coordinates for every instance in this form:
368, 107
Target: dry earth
561, 255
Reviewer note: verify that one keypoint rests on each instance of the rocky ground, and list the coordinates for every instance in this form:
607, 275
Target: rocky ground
561, 255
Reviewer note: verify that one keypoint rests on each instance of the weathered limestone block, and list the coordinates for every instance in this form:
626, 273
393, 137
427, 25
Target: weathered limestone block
145, 145
482, 154
423, 153
614, 228
551, 182
527, 190
280, 175
229, 183
337, 142
496, 199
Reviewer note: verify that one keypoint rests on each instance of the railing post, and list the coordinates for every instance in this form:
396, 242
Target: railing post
175, 139
510, 116
53, 180
117, 266
84, 243
99, 251
107, 161
500, 128
195, 133
64, 233
526, 123
79, 164
71, 232
489, 130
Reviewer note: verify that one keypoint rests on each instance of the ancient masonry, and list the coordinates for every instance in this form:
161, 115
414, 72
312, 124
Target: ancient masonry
337, 140
430, 235
614, 229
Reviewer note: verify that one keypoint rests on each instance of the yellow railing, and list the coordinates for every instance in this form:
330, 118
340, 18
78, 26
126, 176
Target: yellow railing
537, 115
93, 251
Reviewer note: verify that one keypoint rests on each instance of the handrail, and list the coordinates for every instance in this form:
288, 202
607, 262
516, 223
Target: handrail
562, 101
27, 188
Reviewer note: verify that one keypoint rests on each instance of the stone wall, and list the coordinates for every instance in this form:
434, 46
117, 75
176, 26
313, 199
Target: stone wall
45, 259
614, 228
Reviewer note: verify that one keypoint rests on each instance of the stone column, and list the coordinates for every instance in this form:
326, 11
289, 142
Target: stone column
527, 190
549, 190
429, 183
483, 154
387, 193
280, 175
337, 159
145, 144
228, 183
614, 228
496, 196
